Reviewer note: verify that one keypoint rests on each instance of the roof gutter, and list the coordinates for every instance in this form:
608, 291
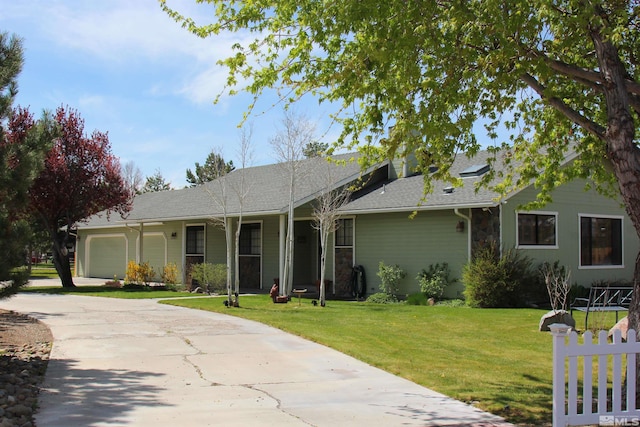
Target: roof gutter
468, 219
347, 211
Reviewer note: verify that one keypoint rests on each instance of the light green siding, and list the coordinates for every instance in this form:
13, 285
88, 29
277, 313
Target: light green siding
570, 201
413, 244
155, 252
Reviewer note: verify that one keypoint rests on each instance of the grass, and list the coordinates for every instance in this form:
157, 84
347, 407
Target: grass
494, 358
43, 271
106, 291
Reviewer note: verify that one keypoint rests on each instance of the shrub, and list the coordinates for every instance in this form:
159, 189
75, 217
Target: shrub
138, 274
492, 280
145, 272
417, 299
390, 276
382, 298
115, 283
210, 277
434, 281
558, 282
170, 274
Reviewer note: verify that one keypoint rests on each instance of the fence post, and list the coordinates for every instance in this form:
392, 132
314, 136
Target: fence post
559, 332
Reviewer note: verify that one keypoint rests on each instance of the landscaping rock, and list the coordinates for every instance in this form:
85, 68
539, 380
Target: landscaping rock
622, 326
560, 316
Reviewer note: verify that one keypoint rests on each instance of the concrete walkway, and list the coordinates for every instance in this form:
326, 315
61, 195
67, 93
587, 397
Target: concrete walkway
139, 363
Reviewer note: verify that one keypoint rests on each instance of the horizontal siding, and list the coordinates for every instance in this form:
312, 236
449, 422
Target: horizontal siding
569, 201
413, 244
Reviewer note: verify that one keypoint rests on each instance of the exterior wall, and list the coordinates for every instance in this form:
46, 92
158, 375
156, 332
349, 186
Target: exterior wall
413, 244
172, 235
158, 256
568, 202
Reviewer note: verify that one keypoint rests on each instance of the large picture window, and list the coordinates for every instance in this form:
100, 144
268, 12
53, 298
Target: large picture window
537, 229
600, 241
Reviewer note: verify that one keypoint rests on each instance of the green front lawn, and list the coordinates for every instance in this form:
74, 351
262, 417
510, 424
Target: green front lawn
495, 358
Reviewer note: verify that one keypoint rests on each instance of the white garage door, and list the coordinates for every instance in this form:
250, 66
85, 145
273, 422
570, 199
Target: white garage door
107, 256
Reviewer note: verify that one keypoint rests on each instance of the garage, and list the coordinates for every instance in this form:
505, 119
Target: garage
107, 256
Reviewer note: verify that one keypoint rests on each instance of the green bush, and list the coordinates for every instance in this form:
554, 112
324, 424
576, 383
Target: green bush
435, 280
210, 277
492, 280
382, 298
390, 276
417, 299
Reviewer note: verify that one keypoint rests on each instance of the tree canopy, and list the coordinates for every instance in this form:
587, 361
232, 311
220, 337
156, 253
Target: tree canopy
156, 182
315, 149
214, 167
544, 72
22, 149
80, 178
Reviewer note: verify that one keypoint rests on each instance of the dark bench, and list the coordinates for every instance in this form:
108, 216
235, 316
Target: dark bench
603, 299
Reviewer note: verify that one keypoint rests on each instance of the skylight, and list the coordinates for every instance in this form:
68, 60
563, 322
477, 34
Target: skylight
475, 170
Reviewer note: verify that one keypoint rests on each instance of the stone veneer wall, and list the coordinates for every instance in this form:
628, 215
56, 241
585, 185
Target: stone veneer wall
485, 228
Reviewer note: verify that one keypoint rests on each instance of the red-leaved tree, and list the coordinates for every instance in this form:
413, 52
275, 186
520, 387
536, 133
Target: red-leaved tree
81, 177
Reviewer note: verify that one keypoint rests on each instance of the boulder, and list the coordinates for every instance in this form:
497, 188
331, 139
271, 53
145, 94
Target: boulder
560, 316
622, 326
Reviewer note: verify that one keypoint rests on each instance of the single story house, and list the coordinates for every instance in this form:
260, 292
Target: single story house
588, 233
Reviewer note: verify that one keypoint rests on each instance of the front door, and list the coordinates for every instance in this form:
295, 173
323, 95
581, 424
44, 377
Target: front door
344, 252
250, 262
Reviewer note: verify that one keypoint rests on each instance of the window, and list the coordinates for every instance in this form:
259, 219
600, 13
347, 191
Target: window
537, 229
600, 241
344, 232
195, 239
250, 239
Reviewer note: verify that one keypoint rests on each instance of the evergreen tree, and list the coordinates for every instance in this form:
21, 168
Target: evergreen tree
22, 150
213, 168
156, 182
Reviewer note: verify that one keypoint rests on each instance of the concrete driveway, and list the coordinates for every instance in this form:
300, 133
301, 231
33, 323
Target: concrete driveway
139, 363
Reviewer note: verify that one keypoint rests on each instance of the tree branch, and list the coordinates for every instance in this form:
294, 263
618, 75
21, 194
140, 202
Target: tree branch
562, 107
592, 79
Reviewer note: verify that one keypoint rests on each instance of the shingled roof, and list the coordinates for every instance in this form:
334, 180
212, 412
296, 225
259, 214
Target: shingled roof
406, 194
267, 193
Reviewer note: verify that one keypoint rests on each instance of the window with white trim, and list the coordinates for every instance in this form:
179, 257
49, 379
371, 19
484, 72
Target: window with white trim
344, 232
195, 240
537, 229
600, 241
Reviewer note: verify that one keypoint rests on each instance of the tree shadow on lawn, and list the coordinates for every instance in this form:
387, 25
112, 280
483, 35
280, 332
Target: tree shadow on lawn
74, 396
533, 408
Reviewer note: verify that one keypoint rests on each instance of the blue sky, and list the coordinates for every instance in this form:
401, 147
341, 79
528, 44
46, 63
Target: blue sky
133, 72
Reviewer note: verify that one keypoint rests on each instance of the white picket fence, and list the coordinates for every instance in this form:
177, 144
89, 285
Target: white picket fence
574, 401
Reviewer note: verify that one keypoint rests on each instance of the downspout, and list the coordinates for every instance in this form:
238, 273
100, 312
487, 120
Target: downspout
465, 217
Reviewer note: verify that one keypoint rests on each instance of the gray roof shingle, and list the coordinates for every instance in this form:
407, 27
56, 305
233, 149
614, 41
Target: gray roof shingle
267, 193
405, 194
